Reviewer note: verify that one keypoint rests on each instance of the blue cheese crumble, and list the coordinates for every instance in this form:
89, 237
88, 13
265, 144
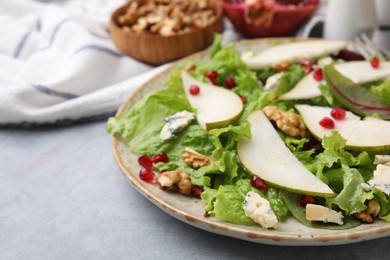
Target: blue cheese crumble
175, 123
259, 209
381, 178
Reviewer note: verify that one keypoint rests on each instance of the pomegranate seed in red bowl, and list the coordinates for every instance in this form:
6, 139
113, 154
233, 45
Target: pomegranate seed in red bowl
268, 18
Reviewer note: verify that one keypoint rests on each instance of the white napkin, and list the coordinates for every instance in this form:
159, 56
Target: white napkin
58, 63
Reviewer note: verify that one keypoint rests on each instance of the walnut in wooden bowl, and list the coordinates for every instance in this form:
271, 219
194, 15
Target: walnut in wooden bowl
160, 31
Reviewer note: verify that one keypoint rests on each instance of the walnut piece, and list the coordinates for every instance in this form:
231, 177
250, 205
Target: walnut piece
175, 181
258, 13
281, 66
364, 217
290, 123
195, 159
371, 212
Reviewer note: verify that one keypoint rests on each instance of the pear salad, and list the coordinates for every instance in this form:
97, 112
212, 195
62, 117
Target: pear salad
299, 129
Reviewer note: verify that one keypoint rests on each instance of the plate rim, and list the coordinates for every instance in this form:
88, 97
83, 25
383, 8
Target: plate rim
228, 229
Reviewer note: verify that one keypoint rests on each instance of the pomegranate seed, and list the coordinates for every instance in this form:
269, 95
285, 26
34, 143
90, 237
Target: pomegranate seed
147, 175
163, 170
375, 62
308, 69
306, 199
194, 90
161, 157
196, 191
338, 113
305, 62
318, 75
243, 99
211, 75
327, 123
258, 183
213, 82
145, 162
230, 83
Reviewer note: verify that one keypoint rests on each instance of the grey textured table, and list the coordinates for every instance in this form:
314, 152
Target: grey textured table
63, 197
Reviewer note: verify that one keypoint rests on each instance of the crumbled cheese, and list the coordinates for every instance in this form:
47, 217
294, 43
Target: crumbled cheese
273, 81
320, 213
176, 123
381, 178
259, 209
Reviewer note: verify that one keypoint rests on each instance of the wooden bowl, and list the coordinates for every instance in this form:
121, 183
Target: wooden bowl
156, 49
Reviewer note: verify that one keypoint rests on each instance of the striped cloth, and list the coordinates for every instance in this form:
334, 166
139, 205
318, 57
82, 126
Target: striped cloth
59, 65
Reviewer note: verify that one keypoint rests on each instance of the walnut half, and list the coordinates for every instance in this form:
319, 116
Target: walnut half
290, 123
175, 181
196, 160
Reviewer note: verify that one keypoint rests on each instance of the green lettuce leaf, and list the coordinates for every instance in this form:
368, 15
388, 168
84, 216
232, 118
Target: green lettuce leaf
352, 197
384, 201
140, 125
277, 203
382, 91
227, 202
289, 79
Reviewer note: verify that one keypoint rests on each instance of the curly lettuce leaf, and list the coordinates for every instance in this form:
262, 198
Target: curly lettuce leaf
226, 202
382, 91
289, 79
352, 197
384, 202
277, 203
140, 125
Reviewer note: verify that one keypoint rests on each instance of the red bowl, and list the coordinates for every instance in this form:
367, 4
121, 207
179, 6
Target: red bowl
281, 19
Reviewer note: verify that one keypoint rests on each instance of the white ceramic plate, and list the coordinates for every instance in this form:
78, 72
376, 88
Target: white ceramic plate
190, 210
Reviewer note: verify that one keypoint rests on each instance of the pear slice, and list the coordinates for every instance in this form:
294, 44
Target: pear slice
293, 52
362, 72
370, 134
216, 106
306, 88
357, 71
266, 156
